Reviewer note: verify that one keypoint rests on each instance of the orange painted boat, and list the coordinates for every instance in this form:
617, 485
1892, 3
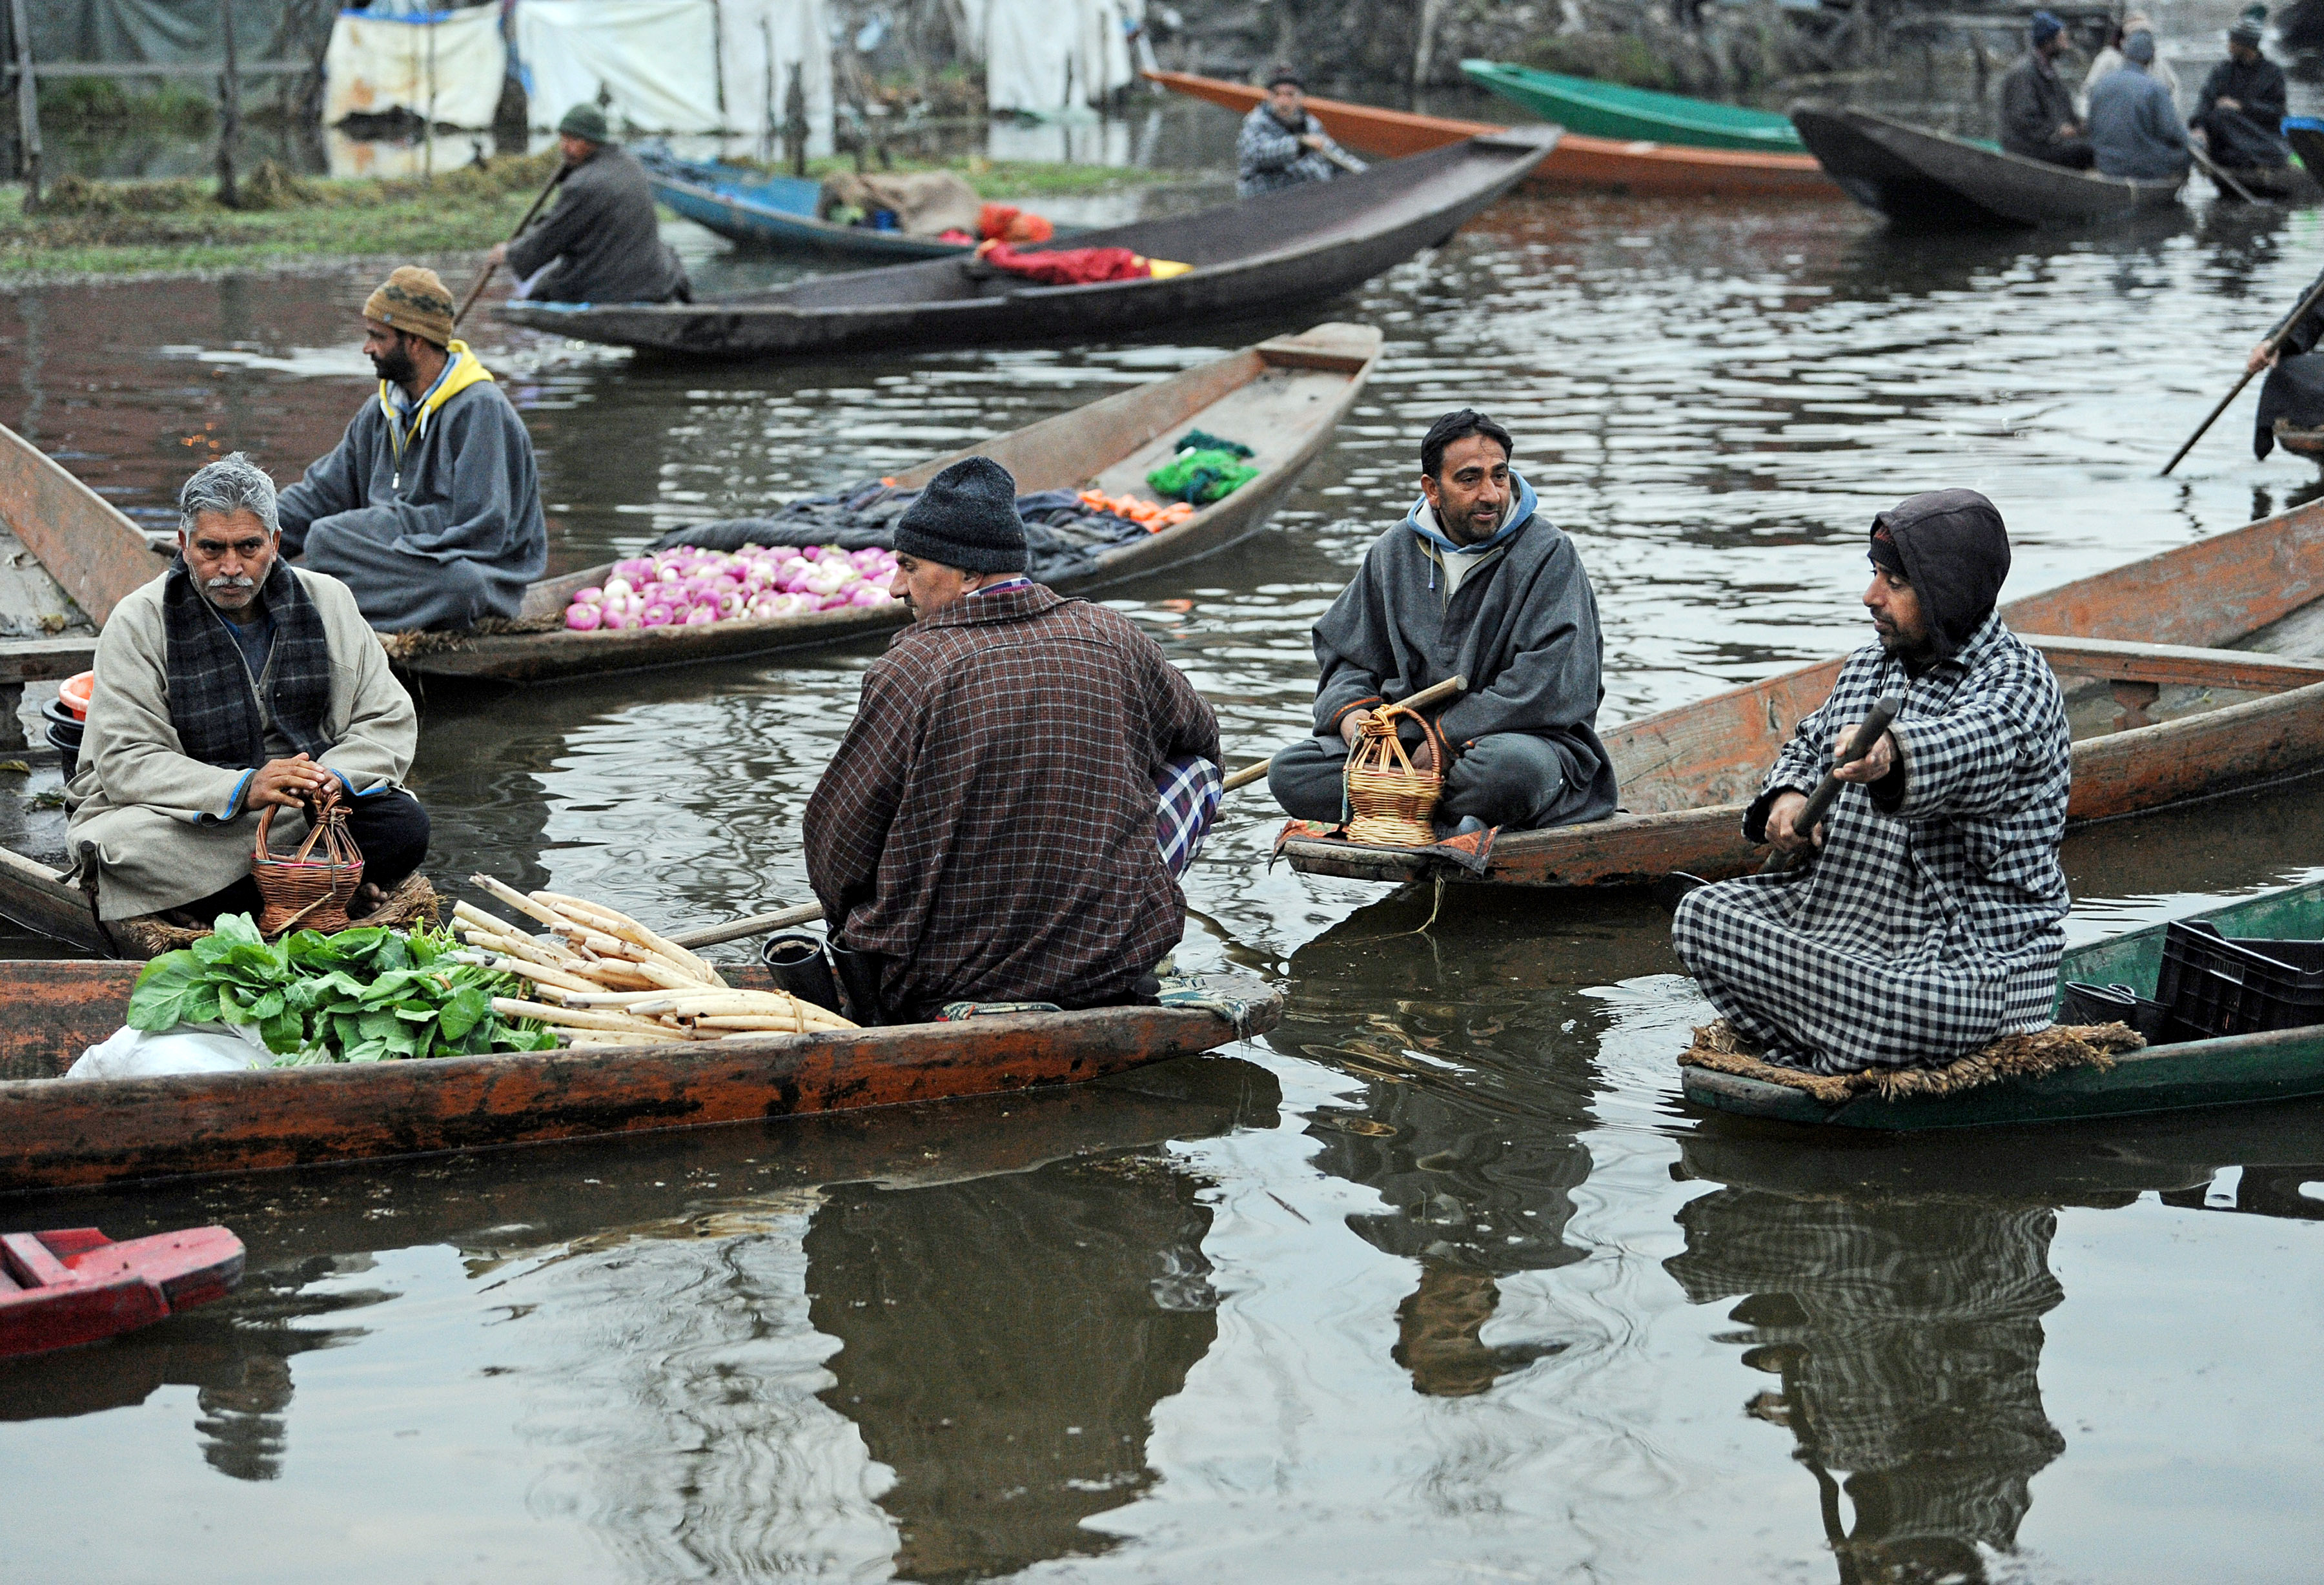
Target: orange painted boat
1597, 164
2184, 676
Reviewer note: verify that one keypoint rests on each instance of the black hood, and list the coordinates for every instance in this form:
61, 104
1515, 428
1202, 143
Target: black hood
1956, 555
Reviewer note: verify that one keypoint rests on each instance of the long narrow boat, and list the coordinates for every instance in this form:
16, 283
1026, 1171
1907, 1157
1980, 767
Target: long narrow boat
2169, 636
1932, 180
777, 213
61, 1133
1288, 248
1610, 110
2283, 1065
1579, 163
1283, 398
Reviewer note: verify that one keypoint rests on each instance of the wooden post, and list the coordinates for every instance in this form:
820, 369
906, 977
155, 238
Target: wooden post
229, 111
28, 103
767, 122
795, 121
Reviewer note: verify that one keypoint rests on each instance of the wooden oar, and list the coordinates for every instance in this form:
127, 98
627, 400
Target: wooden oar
808, 913
1341, 158
477, 291
2273, 343
2203, 162
1819, 802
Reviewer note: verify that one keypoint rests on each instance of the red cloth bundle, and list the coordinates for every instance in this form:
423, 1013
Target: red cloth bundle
1068, 266
1007, 223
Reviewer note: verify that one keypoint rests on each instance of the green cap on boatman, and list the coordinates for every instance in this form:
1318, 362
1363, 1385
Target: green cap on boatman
1926, 921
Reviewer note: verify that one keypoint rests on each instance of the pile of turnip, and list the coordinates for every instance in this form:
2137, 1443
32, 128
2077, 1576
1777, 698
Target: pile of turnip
686, 588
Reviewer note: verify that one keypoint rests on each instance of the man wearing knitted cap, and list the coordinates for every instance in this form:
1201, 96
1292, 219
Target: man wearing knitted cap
2037, 110
429, 507
1927, 920
2239, 114
1025, 780
602, 243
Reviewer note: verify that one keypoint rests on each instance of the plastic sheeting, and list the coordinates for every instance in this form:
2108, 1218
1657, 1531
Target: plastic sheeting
168, 32
759, 42
1048, 55
448, 70
656, 61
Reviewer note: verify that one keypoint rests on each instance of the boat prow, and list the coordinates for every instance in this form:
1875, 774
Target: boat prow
69, 1286
1930, 180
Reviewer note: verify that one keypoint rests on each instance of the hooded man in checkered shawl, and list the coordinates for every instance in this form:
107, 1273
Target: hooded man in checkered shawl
1928, 923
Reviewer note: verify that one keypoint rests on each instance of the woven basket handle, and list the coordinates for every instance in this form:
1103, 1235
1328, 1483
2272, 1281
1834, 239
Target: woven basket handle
324, 811
1381, 724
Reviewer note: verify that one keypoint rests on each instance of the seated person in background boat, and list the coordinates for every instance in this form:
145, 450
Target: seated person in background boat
1927, 924
1025, 780
2239, 114
1282, 145
2037, 113
232, 682
2111, 57
600, 241
1473, 582
2294, 392
2132, 127
429, 509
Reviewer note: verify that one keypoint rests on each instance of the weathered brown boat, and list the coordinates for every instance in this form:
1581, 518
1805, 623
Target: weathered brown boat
2165, 637
1920, 177
56, 1133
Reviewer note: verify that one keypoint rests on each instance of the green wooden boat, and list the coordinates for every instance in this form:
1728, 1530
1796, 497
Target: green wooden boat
1610, 110
2283, 1064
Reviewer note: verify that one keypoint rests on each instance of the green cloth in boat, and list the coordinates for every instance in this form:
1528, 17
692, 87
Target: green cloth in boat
1200, 476
2012, 1056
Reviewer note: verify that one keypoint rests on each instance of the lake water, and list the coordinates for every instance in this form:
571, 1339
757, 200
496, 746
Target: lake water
1437, 1281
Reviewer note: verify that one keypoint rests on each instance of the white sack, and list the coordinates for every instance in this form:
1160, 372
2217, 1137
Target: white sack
449, 70
657, 60
188, 1049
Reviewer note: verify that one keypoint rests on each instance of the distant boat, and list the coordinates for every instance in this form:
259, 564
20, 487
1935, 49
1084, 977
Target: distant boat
1610, 110
1587, 163
776, 213
1921, 178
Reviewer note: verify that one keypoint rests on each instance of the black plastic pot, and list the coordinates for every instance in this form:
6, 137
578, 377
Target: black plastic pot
64, 733
800, 968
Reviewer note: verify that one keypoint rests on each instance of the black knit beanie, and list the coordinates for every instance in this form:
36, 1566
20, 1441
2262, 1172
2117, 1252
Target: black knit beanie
966, 517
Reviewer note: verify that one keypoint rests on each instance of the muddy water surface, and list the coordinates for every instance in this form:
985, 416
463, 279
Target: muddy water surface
1437, 1281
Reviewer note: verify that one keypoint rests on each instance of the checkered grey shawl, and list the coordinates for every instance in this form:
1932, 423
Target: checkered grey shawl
214, 701
1929, 923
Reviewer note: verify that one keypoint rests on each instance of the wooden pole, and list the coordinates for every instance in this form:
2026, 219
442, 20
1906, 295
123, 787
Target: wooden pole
477, 290
2221, 177
2275, 342
229, 111
28, 103
1828, 790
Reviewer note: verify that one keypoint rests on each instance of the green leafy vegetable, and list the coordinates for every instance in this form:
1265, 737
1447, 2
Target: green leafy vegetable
364, 995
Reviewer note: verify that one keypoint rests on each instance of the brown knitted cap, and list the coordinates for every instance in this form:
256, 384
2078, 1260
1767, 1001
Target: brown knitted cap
413, 299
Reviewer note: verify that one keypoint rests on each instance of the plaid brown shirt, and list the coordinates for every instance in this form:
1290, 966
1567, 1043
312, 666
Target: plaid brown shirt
987, 826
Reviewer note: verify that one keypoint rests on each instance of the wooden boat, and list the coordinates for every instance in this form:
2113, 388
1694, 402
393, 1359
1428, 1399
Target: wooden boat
1300, 246
1919, 178
2198, 621
1610, 110
2300, 442
2281, 1064
776, 213
57, 1133
2270, 184
1283, 397
74, 1285
1579, 163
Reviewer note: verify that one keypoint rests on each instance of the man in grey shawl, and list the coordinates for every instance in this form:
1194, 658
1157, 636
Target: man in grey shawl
231, 683
429, 509
1282, 145
1928, 923
1473, 582
602, 243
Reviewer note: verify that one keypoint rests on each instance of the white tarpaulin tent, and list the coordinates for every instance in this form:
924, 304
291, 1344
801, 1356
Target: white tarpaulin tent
1046, 55
448, 70
680, 66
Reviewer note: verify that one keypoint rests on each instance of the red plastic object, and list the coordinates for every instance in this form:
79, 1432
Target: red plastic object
75, 1286
74, 693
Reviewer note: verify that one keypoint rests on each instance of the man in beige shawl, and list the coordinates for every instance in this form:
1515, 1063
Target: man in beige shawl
232, 682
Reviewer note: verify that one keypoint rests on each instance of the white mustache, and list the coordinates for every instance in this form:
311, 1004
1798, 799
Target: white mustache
243, 581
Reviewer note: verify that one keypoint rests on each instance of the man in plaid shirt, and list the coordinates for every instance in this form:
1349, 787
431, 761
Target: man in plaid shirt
1929, 922
1026, 778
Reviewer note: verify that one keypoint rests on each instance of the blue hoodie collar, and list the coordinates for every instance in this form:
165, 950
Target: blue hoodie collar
1520, 514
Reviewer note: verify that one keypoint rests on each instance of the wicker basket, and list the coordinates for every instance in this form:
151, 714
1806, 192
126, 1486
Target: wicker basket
1389, 801
305, 891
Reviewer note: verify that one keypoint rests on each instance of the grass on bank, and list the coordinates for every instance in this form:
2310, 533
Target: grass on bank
166, 228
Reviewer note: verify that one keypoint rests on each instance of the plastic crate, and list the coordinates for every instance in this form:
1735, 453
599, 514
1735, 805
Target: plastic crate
2216, 986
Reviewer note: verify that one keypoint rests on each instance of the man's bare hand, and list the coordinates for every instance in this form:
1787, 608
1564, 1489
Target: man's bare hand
285, 782
2263, 356
1313, 140
1875, 765
1423, 758
499, 255
1783, 824
2224, 103
1352, 726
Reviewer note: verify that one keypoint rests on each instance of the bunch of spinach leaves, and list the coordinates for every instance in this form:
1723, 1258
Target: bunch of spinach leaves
364, 995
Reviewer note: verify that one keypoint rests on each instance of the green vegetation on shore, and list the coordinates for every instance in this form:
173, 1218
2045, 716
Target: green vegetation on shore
170, 227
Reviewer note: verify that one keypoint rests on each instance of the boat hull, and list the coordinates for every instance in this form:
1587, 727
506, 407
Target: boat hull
1300, 246
1609, 110
64, 1134
777, 214
2284, 1064
1578, 162
1926, 179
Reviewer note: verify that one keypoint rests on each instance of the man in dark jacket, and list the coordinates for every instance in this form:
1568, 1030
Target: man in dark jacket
600, 244
1025, 778
1282, 145
429, 507
2240, 111
2037, 110
1474, 583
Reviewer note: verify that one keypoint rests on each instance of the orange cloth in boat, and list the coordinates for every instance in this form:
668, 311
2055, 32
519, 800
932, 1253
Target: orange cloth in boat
1078, 266
1007, 223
